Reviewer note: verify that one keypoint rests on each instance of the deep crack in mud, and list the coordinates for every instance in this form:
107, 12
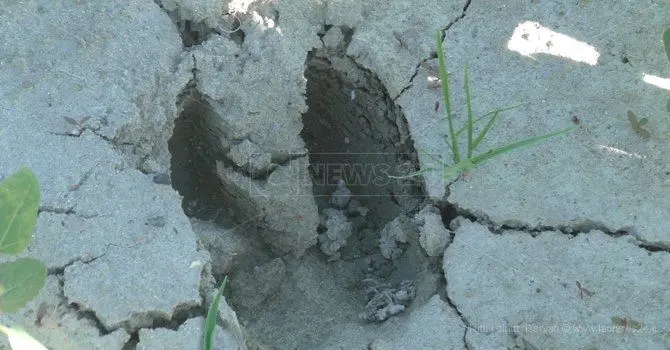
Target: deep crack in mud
356, 137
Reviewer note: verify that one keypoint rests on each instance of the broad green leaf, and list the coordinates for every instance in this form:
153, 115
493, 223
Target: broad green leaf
19, 339
20, 282
666, 42
210, 322
19, 201
643, 122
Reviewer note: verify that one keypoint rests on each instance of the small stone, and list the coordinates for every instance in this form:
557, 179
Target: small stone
433, 236
354, 208
338, 229
341, 196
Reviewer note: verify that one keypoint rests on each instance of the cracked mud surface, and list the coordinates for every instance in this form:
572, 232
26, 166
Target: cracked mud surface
176, 143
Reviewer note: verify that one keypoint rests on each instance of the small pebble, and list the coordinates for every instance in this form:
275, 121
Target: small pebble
341, 196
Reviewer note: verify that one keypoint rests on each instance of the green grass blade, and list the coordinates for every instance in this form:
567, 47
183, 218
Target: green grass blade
488, 126
457, 169
448, 142
497, 110
210, 322
512, 146
414, 174
432, 157
422, 171
486, 130
446, 96
468, 102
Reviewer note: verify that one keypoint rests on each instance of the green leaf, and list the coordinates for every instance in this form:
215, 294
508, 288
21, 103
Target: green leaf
414, 174
470, 161
210, 322
666, 42
632, 118
19, 201
482, 134
20, 282
468, 103
422, 171
457, 169
512, 146
495, 111
642, 122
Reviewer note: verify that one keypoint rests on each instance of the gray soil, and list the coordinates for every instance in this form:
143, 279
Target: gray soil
261, 141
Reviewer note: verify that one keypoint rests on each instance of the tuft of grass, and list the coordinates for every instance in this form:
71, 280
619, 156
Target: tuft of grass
210, 321
461, 164
638, 125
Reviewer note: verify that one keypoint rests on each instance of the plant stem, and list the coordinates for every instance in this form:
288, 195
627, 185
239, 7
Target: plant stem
444, 77
468, 102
